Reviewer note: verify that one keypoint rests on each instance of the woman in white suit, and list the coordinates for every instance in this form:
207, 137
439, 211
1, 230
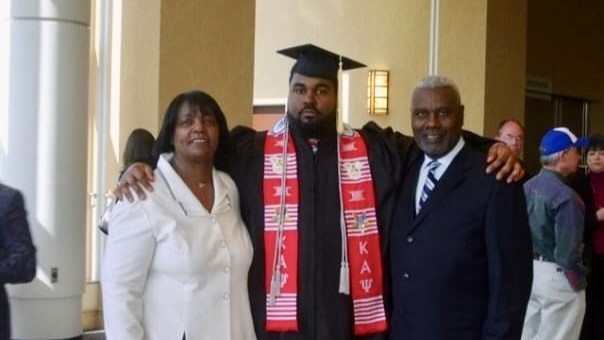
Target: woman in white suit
176, 264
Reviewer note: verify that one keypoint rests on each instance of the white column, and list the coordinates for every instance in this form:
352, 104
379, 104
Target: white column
44, 57
434, 43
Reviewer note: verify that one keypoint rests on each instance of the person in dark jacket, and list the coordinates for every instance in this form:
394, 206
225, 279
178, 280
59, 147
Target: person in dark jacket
461, 260
17, 252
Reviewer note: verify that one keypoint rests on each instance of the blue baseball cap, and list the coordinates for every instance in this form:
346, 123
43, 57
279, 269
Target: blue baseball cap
560, 139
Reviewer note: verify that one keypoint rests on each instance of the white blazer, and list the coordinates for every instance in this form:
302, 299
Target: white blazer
173, 268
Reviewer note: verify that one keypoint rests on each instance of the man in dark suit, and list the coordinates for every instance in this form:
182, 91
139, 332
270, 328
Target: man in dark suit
17, 253
461, 255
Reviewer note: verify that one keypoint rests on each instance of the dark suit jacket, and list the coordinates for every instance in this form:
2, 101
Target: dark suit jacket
462, 268
17, 253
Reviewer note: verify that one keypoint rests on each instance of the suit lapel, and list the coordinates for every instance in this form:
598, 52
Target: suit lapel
407, 199
453, 177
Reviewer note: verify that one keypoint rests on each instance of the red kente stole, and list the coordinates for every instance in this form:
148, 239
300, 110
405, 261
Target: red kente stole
362, 244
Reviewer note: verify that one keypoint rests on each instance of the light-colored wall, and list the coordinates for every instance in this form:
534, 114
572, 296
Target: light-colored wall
388, 34
462, 54
505, 63
483, 49
162, 48
209, 45
133, 77
140, 66
486, 59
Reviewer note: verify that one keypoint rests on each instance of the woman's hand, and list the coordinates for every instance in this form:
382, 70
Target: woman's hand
137, 177
500, 158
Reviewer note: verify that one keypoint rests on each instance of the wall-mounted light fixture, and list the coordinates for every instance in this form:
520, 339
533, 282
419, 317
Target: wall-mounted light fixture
377, 92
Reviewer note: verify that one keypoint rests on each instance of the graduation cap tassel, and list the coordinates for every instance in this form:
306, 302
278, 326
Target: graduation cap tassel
344, 286
339, 113
275, 287
344, 279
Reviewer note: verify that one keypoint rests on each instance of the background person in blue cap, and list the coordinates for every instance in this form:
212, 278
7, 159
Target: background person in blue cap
556, 216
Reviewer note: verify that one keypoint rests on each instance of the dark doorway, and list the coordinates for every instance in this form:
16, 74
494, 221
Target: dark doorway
543, 112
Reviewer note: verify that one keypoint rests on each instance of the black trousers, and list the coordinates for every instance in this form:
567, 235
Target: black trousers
593, 323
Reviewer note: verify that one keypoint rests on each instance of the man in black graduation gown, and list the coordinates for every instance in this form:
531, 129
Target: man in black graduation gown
322, 312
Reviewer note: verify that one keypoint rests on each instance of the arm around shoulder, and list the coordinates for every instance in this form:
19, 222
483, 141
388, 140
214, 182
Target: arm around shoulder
510, 262
477, 141
403, 144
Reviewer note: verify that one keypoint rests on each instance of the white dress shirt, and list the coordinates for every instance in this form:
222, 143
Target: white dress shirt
171, 267
444, 161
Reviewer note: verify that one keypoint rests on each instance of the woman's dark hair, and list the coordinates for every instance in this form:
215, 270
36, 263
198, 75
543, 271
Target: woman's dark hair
596, 142
206, 105
138, 146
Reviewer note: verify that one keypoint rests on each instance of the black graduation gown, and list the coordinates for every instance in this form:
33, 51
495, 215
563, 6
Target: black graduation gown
323, 313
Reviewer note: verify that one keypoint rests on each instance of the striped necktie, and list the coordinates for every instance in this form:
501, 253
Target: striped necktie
430, 182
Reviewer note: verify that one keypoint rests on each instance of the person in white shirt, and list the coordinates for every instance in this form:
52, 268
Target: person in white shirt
176, 264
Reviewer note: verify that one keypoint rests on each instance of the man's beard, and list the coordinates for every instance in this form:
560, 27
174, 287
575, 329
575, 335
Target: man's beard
314, 129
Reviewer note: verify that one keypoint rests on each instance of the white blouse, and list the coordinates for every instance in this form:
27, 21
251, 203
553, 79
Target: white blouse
173, 268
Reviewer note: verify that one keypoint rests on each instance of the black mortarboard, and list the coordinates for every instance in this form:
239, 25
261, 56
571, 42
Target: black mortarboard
313, 61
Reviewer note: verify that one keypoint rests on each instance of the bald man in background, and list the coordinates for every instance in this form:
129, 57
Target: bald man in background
511, 132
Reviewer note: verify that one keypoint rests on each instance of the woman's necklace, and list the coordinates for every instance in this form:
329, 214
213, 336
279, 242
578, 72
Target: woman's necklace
202, 185
206, 197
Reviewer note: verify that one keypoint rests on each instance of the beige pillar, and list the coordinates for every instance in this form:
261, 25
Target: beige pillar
209, 45
482, 47
44, 95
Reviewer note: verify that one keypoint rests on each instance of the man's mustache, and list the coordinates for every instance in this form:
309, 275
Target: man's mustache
308, 107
